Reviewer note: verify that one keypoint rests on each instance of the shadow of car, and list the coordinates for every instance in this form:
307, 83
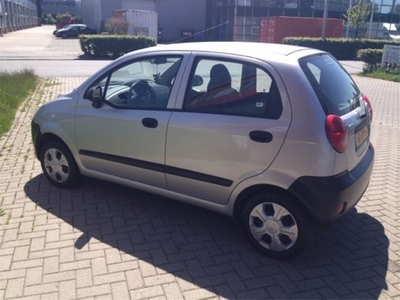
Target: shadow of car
74, 30
347, 260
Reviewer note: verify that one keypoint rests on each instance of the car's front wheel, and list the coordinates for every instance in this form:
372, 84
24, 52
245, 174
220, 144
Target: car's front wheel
276, 225
59, 165
64, 36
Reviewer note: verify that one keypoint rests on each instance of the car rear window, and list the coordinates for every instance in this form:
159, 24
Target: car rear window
335, 89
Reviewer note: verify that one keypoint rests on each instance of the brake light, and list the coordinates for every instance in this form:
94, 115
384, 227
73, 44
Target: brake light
336, 133
366, 100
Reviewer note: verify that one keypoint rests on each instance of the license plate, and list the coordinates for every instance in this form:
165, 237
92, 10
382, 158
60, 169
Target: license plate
361, 136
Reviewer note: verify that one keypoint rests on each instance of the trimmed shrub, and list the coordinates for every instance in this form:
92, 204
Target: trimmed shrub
371, 57
340, 48
113, 46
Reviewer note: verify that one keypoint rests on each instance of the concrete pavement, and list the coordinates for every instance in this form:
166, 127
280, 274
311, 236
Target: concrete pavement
38, 43
103, 241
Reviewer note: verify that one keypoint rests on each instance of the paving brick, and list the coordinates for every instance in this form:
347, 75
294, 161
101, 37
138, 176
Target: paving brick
58, 277
147, 269
21, 253
172, 291
159, 279
15, 288
124, 266
51, 265
37, 244
44, 254
27, 264
76, 265
99, 266
120, 290
108, 278
134, 279
113, 256
10, 235
33, 276
41, 289
94, 291
83, 255
49, 296
198, 294
84, 277
5, 262
148, 292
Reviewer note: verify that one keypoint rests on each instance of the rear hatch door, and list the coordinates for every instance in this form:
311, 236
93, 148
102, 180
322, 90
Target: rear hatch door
339, 95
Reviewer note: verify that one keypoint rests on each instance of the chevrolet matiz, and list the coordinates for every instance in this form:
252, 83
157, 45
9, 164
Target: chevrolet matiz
275, 136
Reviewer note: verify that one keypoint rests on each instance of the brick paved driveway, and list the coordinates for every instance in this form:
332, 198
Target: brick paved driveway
103, 241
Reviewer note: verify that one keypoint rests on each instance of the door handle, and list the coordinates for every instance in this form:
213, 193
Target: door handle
150, 122
261, 136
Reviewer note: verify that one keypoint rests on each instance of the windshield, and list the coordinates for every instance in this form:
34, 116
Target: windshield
335, 89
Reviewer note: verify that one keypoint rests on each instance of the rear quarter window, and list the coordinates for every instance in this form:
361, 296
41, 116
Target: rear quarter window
335, 89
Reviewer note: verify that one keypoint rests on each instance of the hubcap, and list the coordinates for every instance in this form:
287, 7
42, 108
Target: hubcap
273, 226
56, 165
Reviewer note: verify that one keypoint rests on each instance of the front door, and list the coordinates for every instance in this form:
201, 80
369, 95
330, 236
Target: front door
124, 138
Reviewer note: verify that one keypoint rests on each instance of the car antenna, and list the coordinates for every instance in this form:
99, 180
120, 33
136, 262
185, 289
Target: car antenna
186, 37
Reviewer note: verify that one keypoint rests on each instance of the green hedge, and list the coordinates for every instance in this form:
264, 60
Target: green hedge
343, 49
113, 46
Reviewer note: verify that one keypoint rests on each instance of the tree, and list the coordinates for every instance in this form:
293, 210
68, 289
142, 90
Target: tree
117, 26
395, 9
357, 15
48, 19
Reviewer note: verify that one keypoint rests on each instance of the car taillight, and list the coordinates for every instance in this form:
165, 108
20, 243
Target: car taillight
366, 100
336, 133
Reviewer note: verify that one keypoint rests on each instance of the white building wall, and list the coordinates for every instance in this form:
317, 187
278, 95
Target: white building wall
17, 15
139, 4
91, 13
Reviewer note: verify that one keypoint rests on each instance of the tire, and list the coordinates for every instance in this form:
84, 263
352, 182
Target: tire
277, 225
59, 165
64, 36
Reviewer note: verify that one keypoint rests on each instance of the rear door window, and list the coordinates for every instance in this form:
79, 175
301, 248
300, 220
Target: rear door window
335, 89
232, 88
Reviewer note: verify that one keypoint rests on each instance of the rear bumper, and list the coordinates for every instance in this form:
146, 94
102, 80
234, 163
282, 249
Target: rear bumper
326, 196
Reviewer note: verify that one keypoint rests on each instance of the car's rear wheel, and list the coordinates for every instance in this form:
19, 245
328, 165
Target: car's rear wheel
277, 225
59, 165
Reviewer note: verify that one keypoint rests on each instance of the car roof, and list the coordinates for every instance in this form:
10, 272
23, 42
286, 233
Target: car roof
77, 25
255, 50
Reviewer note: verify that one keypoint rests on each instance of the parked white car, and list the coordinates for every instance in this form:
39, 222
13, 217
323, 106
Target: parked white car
274, 135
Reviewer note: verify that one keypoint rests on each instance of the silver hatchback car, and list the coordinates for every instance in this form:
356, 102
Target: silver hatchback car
274, 135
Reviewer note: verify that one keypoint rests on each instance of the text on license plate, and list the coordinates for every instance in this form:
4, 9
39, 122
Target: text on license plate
361, 136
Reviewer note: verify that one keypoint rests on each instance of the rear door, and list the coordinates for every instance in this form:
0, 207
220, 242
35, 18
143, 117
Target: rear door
339, 95
217, 139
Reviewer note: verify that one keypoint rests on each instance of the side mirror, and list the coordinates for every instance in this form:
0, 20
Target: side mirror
197, 80
95, 94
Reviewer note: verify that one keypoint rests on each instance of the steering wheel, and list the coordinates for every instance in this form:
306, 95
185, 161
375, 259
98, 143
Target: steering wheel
142, 93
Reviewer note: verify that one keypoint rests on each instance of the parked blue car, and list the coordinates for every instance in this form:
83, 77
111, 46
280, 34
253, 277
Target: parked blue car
74, 30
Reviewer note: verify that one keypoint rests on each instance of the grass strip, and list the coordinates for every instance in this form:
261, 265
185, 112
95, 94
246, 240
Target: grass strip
14, 89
